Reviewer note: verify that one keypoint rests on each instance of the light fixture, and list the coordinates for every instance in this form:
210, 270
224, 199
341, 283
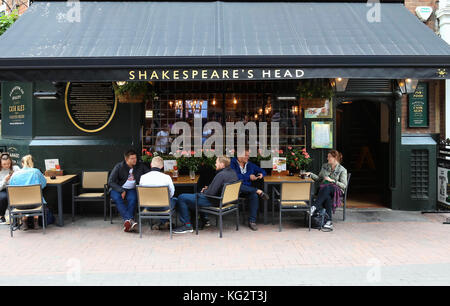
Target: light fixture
234, 101
170, 103
121, 83
256, 116
214, 101
407, 86
346, 102
46, 95
286, 98
340, 84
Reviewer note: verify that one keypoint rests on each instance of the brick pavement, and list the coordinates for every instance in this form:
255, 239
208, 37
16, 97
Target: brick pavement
378, 247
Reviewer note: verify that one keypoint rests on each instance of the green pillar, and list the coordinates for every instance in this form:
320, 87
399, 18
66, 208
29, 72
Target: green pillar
395, 143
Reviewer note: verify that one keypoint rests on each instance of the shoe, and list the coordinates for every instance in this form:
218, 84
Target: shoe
161, 226
183, 229
2, 220
328, 225
263, 196
133, 226
313, 209
252, 226
37, 226
203, 223
126, 226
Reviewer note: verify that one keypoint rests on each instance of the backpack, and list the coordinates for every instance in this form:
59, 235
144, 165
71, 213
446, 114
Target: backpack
318, 220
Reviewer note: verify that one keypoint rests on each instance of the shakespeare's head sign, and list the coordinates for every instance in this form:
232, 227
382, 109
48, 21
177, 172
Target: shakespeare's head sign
214, 74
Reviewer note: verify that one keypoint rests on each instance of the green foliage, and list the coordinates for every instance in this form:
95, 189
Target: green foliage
134, 88
7, 20
315, 88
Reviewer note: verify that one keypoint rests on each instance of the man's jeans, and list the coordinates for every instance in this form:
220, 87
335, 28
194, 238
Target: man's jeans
126, 211
173, 203
186, 202
253, 198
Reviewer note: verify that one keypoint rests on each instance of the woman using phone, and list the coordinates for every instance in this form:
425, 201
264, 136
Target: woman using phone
6, 171
333, 181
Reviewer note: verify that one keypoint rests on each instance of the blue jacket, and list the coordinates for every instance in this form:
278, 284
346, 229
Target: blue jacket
251, 169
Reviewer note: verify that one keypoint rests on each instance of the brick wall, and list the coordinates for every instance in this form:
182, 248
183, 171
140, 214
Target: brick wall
21, 5
412, 4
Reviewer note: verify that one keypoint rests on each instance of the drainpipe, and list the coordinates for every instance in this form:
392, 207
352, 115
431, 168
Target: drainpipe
443, 14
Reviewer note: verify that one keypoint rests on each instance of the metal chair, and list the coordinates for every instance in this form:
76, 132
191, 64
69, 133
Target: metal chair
293, 196
228, 203
150, 199
345, 196
90, 181
25, 201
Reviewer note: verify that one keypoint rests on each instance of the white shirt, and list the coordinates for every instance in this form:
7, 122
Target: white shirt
157, 179
131, 182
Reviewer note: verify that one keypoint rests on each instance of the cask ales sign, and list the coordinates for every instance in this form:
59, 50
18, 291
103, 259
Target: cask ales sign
90, 106
418, 106
16, 109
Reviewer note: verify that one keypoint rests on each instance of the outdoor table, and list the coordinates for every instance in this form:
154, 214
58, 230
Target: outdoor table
185, 180
59, 182
277, 180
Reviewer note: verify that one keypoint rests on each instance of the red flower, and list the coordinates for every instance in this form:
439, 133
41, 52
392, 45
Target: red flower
148, 153
281, 151
293, 154
290, 148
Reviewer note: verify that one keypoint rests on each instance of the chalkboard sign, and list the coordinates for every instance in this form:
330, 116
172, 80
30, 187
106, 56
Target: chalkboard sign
17, 109
418, 106
90, 106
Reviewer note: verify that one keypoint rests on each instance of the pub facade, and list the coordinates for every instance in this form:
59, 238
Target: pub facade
83, 86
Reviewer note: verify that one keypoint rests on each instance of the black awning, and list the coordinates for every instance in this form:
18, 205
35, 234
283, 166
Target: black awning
110, 39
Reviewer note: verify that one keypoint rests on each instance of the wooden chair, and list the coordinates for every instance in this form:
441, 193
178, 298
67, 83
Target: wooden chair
293, 196
228, 203
154, 203
91, 181
25, 201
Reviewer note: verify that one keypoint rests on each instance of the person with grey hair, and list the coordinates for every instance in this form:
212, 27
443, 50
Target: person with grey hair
157, 178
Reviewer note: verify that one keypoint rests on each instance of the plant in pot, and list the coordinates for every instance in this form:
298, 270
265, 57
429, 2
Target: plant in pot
297, 159
133, 92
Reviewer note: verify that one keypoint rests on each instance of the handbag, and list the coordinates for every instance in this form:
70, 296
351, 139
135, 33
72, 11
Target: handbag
319, 220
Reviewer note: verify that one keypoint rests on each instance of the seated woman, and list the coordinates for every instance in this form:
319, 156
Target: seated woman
28, 175
7, 170
333, 179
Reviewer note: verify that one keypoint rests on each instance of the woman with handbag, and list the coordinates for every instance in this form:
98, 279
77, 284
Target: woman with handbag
333, 181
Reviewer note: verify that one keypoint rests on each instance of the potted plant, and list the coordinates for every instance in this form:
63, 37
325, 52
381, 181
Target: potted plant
132, 92
297, 159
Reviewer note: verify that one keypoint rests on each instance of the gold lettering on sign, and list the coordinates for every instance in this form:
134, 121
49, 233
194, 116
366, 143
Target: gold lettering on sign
235, 74
225, 74
176, 75
165, 76
194, 73
204, 74
185, 74
131, 75
215, 74
154, 75
266, 73
144, 75
250, 74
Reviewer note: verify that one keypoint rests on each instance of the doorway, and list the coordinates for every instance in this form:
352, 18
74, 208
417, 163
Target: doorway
363, 138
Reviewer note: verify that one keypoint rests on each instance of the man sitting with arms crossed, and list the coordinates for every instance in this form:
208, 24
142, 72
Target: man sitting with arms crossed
122, 182
251, 176
157, 178
186, 201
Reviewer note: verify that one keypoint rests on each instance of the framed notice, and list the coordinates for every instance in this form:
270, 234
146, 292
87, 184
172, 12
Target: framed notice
50, 164
169, 164
418, 107
318, 108
444, 186
279, 163
321, 135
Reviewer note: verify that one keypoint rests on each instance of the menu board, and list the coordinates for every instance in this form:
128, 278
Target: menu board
321, 135
418, 106
90, 106
17, 119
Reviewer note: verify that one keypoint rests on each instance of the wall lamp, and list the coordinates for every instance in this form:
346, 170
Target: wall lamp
407, 86
339, 84
46, 95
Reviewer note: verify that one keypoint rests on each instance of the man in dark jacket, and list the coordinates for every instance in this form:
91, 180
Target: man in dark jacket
252, 182
122, 182
186, 201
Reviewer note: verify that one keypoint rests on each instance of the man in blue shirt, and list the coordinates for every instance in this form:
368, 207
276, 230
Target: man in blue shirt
251, 176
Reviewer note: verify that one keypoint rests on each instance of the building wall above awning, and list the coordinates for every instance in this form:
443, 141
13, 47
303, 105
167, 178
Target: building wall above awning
130, 35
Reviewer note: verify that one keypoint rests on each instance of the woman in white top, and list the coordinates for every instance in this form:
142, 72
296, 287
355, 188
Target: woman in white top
6, 171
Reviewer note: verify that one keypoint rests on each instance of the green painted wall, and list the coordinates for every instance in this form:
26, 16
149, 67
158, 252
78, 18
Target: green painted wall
54, 135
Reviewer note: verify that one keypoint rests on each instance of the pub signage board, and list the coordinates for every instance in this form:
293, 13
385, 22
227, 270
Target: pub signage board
90, 106
17, 109
418, 107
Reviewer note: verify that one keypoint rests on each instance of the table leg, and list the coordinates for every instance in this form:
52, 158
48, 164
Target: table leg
60, 206
266, 187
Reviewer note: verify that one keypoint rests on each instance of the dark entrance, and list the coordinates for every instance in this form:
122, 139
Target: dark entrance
363, 138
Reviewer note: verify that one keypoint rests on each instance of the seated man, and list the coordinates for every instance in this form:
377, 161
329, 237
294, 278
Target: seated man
186, 201
157, 178
122, 182
251, 175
